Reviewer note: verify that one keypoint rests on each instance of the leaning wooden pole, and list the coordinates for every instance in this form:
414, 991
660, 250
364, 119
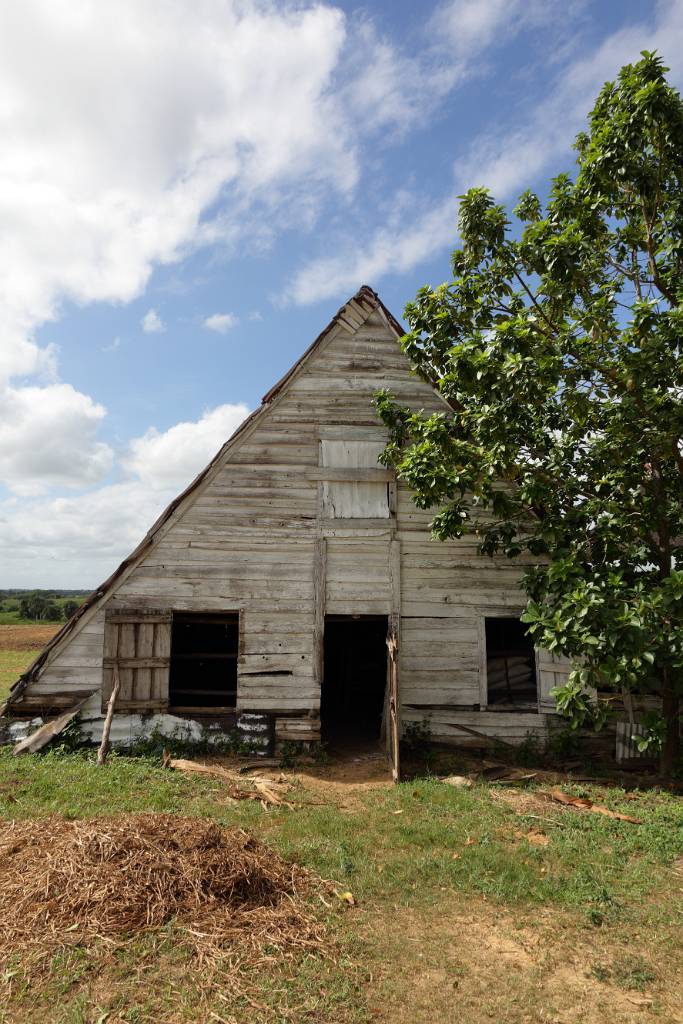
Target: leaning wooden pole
393, 712
106, 729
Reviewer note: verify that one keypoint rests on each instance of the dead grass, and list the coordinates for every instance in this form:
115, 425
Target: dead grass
65, 882
26, 638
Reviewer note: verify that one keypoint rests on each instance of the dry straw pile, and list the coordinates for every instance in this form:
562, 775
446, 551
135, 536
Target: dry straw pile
64, 882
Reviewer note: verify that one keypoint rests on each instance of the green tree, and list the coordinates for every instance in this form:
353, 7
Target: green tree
558, 347
69, 608
33, 606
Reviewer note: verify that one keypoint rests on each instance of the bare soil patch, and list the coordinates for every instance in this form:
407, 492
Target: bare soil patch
465, 960
26, 638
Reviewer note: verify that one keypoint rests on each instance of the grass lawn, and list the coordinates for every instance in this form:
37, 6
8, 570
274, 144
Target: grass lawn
476, 904
15, 619
12, 664
473, 905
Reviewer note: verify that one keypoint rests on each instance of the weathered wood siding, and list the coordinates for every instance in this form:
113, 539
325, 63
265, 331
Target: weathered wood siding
257, 538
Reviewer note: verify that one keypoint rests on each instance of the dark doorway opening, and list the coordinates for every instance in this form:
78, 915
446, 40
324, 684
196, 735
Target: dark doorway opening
204, 661
354, 678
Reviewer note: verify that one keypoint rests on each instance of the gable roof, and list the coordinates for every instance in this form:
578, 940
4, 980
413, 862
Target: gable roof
351, 315
367, 301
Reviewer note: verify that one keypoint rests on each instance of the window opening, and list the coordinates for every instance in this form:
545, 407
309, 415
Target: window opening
510, 663
204, 650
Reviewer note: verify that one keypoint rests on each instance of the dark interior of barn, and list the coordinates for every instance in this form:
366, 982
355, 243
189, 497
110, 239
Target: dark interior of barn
204, 661
354, 679
510, 663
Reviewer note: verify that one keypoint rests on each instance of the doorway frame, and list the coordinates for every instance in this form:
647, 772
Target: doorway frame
359, 617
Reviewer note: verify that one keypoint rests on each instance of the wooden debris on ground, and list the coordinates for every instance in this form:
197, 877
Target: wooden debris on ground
42, 736
503, 775
506, 775
267, 790
584, 804
458, 781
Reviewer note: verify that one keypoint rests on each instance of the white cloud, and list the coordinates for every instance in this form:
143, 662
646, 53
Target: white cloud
77, 542
390, 89
241, 111
121, 123
221, 322
255, 315
48, 439
152, 322
391, 249
468, 27
506, 162
170, 459
133, 133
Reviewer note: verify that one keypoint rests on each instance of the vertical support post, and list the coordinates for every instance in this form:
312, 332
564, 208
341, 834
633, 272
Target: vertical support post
394, 733
319, 572
240, 655
393, 640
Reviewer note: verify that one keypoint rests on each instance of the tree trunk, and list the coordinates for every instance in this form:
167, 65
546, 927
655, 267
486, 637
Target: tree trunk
671, 751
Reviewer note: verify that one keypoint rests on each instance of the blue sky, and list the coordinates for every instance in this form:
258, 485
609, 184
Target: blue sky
190, 188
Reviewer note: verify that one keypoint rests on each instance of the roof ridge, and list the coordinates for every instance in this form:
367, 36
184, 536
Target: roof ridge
364, 294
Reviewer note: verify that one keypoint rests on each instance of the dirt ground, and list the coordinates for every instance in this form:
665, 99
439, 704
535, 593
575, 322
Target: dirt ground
26, 638
472, 961
466, 959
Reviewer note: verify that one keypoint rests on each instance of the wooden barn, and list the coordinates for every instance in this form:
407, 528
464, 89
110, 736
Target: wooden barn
294, 581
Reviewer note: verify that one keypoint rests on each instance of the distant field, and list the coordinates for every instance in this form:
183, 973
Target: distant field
19, 645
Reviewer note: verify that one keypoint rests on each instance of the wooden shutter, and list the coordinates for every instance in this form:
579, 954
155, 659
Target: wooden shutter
553, 670
347, 498
138, 642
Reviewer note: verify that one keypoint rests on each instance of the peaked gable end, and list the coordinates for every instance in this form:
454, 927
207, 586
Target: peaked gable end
332, 382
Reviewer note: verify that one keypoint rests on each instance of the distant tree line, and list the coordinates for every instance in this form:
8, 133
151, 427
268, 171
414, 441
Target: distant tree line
41, 605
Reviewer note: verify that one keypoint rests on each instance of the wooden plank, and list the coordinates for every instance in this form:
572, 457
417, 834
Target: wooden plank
395, 583
127, 651
144, 650
352, 432
160, 675
394, 725
277, 644
319, 601
353, 499
38, 739
351, 475
48, 702
139, 665
111, 650
117, 614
